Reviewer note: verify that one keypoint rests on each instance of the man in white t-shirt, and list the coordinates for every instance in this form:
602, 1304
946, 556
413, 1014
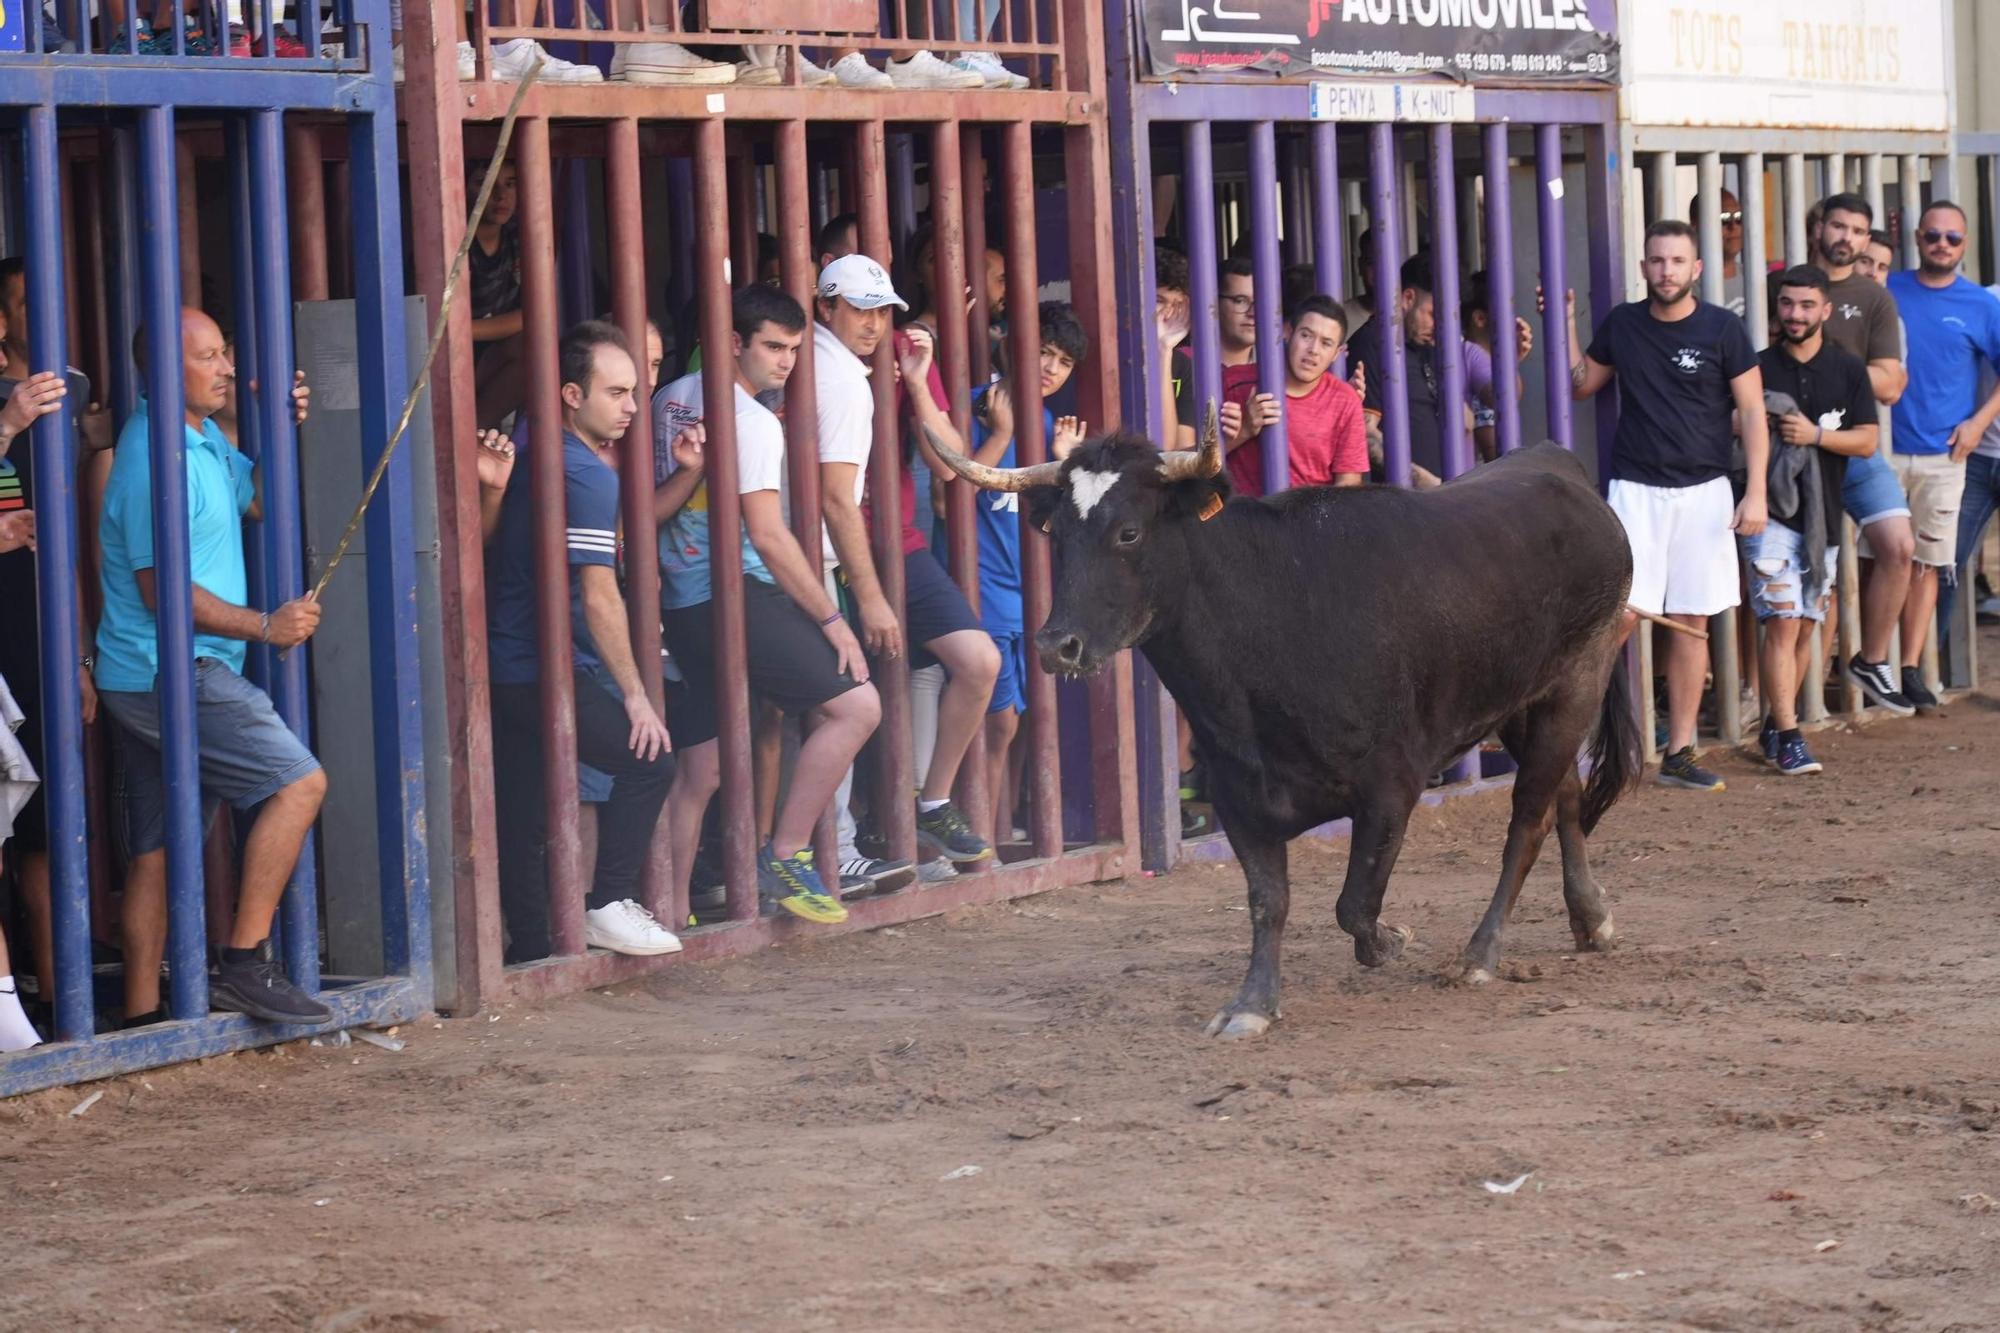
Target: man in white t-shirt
801, 654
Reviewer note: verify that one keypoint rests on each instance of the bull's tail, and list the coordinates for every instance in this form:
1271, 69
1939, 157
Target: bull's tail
1616, 756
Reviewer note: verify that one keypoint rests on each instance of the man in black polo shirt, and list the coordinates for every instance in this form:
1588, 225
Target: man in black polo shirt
1682, 367
1835, 420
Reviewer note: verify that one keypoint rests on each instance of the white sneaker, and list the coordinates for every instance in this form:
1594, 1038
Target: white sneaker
924, 70
988, 67
666, 62
625, 927
851, 71
752, 74
512, 61
936, 872
468, 67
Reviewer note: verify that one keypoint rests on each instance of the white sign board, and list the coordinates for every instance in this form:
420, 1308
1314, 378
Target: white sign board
1414, 102
1787, 64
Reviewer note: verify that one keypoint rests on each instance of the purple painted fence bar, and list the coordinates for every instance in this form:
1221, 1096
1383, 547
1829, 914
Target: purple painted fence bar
1457, 444
1555, 278
1197, 189
1270, 287
1500, 286
1385, 207
1329, 223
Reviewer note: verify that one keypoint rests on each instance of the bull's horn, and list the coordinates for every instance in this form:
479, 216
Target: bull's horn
1189, 464
993, 478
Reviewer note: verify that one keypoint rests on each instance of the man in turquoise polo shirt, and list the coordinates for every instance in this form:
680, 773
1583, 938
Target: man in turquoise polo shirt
248, 756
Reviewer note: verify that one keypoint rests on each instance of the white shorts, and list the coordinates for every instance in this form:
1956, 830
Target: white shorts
1683, 553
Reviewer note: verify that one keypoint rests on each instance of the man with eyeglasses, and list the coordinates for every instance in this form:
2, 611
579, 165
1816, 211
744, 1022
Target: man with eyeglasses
1951, 323
1733, 279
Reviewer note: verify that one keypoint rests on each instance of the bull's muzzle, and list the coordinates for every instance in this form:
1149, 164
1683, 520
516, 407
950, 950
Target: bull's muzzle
1061, 652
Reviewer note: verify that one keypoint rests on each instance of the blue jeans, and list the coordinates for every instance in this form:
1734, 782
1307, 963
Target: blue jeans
968, 19
1981, 502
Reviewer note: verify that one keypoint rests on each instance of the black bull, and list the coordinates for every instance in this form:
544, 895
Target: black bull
1331, 649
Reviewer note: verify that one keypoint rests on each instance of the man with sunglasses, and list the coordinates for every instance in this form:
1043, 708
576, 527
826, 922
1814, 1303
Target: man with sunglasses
1733, 282
1951, 323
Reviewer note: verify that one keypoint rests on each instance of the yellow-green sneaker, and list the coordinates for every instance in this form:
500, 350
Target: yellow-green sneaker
791, 883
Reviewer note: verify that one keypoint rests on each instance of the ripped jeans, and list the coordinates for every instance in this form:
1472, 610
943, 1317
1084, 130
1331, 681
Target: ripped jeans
1777, 560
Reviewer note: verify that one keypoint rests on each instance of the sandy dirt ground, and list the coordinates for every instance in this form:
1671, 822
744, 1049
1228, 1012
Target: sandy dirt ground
1776, 1107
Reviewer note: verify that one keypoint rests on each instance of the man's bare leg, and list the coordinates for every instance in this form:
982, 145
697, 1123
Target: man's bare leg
271, 853
1687, 668
973, 664
143, 927
844, 725
1892, 543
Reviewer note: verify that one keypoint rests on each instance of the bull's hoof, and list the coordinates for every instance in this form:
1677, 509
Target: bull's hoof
1466, 972
1601, 940
1235, 1024
1384, 944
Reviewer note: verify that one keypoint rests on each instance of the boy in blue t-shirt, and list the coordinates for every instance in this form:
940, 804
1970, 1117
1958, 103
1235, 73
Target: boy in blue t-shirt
1064, 345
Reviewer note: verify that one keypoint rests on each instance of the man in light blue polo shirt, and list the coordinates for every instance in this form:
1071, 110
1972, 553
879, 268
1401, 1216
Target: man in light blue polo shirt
247, 754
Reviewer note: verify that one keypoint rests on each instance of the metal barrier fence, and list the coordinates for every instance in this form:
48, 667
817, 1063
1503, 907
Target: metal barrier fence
1252, 159
102, 208
630, 184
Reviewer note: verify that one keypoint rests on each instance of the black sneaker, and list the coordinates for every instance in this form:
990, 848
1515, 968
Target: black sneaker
1794, 759
1767, 740
944, 832
876, 875
258, 987
1921, 699
1680, 770
1879, 684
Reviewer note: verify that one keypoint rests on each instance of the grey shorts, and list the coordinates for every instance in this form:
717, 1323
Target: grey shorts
247, 752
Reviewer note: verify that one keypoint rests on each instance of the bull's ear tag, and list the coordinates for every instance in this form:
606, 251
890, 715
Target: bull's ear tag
1047, 523
1212, 508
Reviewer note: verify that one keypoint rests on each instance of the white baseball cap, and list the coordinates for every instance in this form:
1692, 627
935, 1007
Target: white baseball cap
859, 281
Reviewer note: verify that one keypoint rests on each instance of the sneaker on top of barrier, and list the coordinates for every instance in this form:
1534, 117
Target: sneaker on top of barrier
937, 870
1794, 759
1878, 682
628, 928
988, 67
1919, 694
944, 832
791, 883
666, 63
758, 73
512, 61
882, 876
851, 71
257, 986
1680, 770
924, 70
468, 63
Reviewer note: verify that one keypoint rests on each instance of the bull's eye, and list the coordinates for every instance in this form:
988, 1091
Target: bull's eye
1128, 536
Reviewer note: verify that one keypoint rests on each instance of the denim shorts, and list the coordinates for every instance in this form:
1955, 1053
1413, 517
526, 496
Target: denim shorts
1777, 558
1872, 492
247, 753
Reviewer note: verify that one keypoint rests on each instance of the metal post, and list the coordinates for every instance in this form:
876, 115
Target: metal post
58, 540
1457, 448
1025, 335
172, 580
260, 659
972, 192
1555, 277
1270, 287
1500, 285
1661, 187
1385, 210
1909, 199
1205, 336
902, 148
307, 200
547, 504
127, 278
1798, 248
1329, 267
1723, 628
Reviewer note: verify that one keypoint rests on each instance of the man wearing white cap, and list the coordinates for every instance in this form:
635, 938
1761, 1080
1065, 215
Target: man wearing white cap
854, 302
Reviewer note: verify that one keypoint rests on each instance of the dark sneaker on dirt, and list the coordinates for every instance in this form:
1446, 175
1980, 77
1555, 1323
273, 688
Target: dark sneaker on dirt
1879, 684
791, 884
1921, 699
257, 986
1680, 770
1767, 740
944, 832
1795, 760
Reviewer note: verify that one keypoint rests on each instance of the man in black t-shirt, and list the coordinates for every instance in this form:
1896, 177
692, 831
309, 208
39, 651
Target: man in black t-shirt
1835, 420
1682, 366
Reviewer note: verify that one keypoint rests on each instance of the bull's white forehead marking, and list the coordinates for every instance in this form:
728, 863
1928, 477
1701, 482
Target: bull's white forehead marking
1087, 488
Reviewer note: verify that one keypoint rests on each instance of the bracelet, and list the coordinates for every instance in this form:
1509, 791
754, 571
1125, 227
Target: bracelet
264, 628
830, 619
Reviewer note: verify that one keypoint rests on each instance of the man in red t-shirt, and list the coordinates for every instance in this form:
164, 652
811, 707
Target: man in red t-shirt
1324, 427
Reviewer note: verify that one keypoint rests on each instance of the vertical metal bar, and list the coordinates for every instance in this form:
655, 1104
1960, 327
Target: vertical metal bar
972, 188
903, 194
283, 527
1205, 340
794, 227
547, 505
1555, 277
1025, 337
58, 541
307, 200
742, 220
895, 800
1909, 200
1708, 227
1666, 166
1989, 205
1797, 247
713, 182
1604, 205
625, 235
1722, 627
92, 204
172, 581
72, 285
1270, 282
1500, 286
1329, 238
1457, 450
243, 231
129, 280
1385, 208
949, 261
1756, 310
376, 256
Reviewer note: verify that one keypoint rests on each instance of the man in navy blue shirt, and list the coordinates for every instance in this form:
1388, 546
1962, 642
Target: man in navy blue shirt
617, 731
1682, 366
1951, 323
